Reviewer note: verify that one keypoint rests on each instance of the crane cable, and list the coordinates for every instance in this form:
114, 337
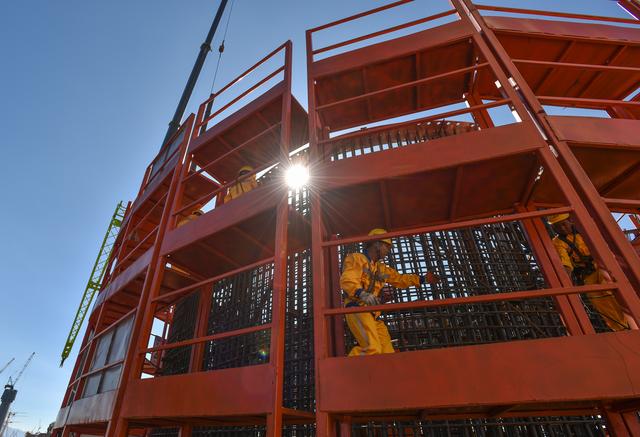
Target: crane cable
221, 47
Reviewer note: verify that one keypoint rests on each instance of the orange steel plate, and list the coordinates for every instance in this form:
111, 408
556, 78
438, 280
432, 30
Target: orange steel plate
392, 63
577, 369
244, 124
458, 181
238, 391
580, 43
238, 233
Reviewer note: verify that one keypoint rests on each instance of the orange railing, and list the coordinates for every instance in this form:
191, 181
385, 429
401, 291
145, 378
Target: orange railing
386, 31
205, 116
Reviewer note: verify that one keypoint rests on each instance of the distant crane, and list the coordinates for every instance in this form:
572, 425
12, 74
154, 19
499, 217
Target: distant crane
9, 394
95, 280
5, 367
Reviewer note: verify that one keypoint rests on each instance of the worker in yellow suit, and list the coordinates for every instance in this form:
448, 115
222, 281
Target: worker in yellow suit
241, 186
363, 277
576, 259
194, 215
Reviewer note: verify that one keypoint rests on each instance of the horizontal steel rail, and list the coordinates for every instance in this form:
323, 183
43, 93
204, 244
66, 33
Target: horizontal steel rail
248, 71
233, 151
206, 105
245, 93
633, 205
556, 14
369, 131
213, 337
483, 298
204, 282
224, 187
404, 85
384, 31
450, 226
144, 217
360, 15
578, 66
138, 246
587, 103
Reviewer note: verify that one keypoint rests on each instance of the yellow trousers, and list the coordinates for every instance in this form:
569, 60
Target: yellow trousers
606, 304
372, 335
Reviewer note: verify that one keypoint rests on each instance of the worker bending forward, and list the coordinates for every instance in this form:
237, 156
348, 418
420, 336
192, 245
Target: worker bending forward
363, 276
576, 259
241, 186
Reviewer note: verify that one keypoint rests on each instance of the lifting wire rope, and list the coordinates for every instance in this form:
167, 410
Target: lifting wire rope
215, 74
221, 47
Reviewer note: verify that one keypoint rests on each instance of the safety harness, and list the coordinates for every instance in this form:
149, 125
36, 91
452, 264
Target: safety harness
586, 267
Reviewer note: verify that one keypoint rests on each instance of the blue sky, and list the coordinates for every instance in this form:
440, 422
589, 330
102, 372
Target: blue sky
86, 91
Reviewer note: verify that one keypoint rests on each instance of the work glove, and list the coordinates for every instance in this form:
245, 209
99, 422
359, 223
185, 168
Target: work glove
430, 278
386, 294
369, 299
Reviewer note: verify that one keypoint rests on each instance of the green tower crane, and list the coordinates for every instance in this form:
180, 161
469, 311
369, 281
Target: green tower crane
95, 280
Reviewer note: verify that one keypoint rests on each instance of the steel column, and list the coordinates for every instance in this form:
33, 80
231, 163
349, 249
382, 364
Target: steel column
591, 233
274, 419
143, 317
590, 194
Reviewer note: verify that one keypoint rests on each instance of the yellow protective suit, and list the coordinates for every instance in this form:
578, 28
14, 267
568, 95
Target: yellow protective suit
360, 274
603, 301
240, 188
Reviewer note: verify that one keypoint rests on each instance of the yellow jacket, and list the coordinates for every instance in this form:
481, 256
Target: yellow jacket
569, 257
240, 188
360, 274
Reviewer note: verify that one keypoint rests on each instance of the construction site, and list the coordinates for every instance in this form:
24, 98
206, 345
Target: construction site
425, 249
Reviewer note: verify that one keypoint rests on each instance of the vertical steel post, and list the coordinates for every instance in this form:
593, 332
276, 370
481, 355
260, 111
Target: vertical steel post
325, 426
592, 198
598, 245
556, 277
274, 419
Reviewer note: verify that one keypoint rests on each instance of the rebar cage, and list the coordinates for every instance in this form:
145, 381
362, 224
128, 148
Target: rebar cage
569, 426
515, 427
494, 258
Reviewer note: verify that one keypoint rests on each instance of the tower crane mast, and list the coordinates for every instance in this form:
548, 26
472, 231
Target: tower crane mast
9, 394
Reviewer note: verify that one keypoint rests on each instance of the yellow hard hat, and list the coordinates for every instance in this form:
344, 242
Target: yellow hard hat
380, 231
557, 218
247, 168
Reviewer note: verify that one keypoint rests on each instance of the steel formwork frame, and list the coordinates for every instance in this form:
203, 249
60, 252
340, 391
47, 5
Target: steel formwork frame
189, 299
575, 186
304, 385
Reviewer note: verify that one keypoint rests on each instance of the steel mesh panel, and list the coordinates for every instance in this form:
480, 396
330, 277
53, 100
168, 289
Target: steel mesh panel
395, 138
176, 361
298, 364
299, 201
253, 431
517, 427
229, 431
242, 301
489, 259
164, 432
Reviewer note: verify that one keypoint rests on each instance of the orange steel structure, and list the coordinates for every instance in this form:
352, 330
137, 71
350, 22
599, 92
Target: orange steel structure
438, 133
